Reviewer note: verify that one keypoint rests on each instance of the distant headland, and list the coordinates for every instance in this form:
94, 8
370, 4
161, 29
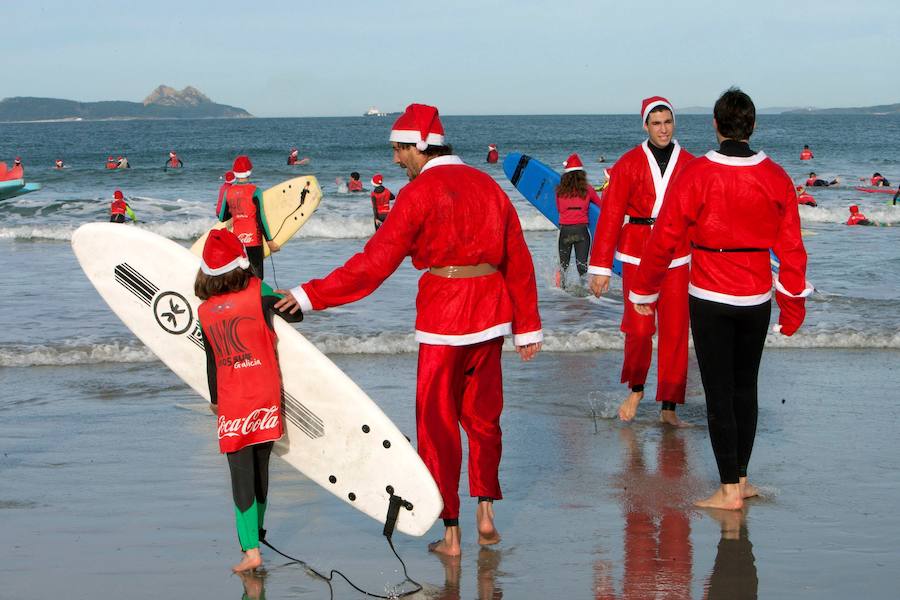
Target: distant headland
163, 103
881, 109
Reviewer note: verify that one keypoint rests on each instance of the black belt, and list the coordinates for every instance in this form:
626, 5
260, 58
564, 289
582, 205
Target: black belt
705, 249
641, 220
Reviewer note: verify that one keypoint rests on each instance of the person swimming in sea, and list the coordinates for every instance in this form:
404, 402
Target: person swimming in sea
814, 181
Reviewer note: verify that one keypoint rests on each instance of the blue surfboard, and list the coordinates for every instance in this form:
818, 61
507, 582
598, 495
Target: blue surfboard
537, 183
16, 187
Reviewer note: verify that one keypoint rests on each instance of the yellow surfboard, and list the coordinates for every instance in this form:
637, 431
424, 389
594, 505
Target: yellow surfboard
287, 206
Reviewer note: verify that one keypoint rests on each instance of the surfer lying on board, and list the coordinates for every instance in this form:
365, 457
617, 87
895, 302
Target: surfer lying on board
243, 376
573, 194
878, 180
804, 197
857, 218
813, 180
244, 206
637, 186
479, 286
119, 208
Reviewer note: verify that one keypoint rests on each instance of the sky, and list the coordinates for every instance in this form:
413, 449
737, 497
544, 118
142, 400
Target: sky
338, 58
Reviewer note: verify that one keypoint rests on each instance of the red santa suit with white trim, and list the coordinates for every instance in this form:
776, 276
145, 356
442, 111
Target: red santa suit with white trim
458, 223
635, 195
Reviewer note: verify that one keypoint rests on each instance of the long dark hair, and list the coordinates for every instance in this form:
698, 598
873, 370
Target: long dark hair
573, 183
207, 286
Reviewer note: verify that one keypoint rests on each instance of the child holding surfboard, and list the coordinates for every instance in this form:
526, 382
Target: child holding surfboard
244, 378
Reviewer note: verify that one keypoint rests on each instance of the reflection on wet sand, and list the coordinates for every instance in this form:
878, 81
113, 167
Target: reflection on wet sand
734, 573
488, 588
658, 553
254, 583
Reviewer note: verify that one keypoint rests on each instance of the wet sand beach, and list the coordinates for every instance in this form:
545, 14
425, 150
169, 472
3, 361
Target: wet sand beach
112, 487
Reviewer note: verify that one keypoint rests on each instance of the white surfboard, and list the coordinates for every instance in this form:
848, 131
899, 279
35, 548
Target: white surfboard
334, 433
287, 206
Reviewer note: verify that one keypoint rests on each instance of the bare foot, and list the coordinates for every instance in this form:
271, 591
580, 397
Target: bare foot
252, 560
727, 497
487, 533
747, 490
628, 408
449, 546
670, 418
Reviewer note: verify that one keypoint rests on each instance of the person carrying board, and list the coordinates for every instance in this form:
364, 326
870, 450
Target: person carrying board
119, 208
244, 205
637, 187
732, 206
573, 194
479, 286
243, 376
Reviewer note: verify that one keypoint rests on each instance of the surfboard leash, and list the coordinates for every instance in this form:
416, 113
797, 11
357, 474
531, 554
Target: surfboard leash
394, 505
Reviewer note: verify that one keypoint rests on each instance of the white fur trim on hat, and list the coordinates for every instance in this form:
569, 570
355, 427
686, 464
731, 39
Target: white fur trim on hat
653, 105
241, 261
243, 175
409, 136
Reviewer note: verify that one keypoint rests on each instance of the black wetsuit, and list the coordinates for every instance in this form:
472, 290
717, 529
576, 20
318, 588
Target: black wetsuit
728, 341
249, 466
579, 238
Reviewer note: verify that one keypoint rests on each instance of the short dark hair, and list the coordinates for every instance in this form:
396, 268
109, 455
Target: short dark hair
445, 150
354, 175
735, 114
657, 109
207, 286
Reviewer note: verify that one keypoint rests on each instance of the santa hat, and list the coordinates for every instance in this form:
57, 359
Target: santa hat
229, 176
492, 146
18, 159
223, 252
419, 125
172, 154
242, 167
118, 195
294, 151
648, 104
854, 208
573, 163
108, 158
377, 179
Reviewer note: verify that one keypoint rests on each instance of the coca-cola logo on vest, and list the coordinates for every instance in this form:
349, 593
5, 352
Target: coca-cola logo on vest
260, 419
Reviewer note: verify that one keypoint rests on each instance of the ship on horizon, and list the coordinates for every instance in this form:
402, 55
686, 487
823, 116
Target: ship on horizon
374, 112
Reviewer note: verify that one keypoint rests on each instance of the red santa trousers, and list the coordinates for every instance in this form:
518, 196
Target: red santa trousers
460, 385
672, 345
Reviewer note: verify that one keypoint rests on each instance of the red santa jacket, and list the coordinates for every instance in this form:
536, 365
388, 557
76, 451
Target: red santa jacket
636, 189
720, 203
450, 215
806, 154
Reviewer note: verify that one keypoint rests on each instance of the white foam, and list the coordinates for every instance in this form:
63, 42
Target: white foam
70, 354
829, 214
25, 232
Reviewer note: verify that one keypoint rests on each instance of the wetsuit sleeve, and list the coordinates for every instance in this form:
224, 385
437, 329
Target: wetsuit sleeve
791, 286
269, 299
609, 226
261, 215
365, 271
374, 205
679, 211
211, 372
222, 212
518, 272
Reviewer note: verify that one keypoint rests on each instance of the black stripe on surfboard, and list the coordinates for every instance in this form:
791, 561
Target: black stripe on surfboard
517, 174
302, 417
136, 283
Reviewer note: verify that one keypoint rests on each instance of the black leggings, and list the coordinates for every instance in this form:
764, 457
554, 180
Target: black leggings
117, 218
257, 257
729, 342
576, 236
249, 468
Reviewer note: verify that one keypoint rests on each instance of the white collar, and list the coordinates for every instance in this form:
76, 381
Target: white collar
736, 161
442, 161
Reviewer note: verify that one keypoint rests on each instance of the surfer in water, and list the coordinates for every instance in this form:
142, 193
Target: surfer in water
804, 197
479, 286
637, 186
573, 194
878, 180
857, 218
381, 200
731, 206
59, 164
492, 156
119, 208
173, 162
806, 153
243, 377
243, 204
294, 157
814, 181
354, 185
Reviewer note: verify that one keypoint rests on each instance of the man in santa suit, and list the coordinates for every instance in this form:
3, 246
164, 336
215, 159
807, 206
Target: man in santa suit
479, 285
637, 186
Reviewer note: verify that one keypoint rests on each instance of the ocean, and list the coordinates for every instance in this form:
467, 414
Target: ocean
99, 452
